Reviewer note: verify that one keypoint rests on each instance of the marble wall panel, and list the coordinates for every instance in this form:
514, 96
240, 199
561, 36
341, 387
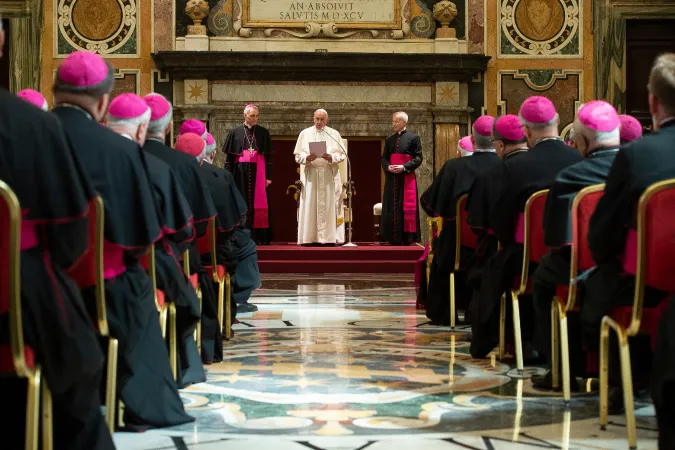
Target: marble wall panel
125, 81
163, 25
476, 25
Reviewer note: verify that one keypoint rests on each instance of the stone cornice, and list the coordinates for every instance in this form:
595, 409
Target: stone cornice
302, 66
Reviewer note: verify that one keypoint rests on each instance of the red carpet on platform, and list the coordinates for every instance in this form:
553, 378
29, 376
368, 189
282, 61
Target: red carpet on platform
365, 258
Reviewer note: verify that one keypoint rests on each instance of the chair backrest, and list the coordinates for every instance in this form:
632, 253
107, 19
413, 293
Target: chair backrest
207, 245
533, 234
655, 245
581, 259
88, 270
465, 236
10, 279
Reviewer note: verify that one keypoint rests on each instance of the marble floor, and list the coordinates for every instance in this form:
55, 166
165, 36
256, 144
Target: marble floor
346, 362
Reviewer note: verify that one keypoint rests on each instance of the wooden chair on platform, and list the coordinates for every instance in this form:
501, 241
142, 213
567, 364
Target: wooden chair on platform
88, 273
18, 359
650, 256
464, 237
206, 245
565, 299
435, 227
164, 308
531, 232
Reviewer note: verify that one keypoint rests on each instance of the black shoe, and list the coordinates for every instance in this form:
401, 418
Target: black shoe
545, 382
246, 308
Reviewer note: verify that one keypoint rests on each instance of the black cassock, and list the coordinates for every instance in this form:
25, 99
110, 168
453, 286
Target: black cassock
239, 140
392, 221
116, 168
663, 380
521, 176
53, 192
454, 180
231, 213
554, 268
177, 222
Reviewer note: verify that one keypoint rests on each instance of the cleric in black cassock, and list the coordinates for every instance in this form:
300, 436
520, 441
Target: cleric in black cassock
129, 116
453, 181
248, 151
37, 164
521, 177
116, 169
597, 138
400, 222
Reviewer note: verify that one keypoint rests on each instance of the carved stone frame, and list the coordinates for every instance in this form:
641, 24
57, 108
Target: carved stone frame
609, 42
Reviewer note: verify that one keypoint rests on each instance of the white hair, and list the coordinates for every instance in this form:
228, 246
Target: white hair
157, 127
323, 111
249, 108
45, 105
402, 115
602, 138
538, 126
133, 122
464, 152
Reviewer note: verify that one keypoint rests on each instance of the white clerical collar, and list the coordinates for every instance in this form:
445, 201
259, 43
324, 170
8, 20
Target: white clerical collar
403, 131
126, 136
161, 141
550, 138
484, 150
248, 127
666, 121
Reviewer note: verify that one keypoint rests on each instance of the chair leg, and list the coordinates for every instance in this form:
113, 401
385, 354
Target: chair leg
47, 419
502, 326
604, 373
627, 382
428, 271
173, 347
555, 349
198, 330
452, 300
518, 339
111, 385
567, 427
33, 409
565, 357
519, 411
228, 307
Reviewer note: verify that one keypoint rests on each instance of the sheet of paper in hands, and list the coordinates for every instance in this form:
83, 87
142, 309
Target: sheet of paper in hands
317, 148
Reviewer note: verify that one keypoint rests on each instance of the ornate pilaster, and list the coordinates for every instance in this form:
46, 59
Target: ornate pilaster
25, 49
447, 136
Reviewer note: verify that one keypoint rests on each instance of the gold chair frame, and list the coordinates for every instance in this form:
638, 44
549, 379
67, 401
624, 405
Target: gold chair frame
224, 284
21, 369
515, 293
102, 317
458, 247
434, 224
559, 310
169, 309
634, 327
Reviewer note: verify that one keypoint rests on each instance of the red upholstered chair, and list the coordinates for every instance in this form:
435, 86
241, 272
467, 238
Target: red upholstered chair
533, 250
87, 273
435, 227
207, 245
565, 299
464, 238
18, 359
164, 308
651, 252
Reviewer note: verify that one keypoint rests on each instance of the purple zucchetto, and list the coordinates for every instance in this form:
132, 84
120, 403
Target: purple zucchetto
510, 127
83, 69
599, 116
127, 106
209, 139
159, 106
538, 109
194, 126
631, 128
465, 144
190, 143
34, 97
483, 125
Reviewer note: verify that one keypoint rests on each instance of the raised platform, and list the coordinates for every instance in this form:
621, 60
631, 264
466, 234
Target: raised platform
366, 258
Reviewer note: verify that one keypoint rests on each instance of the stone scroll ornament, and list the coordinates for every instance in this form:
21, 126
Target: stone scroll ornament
323, 29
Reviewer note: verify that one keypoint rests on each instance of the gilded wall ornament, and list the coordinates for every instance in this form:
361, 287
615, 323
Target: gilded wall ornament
540, 27
106, 27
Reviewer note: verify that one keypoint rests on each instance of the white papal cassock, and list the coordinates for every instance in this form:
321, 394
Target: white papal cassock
321, 206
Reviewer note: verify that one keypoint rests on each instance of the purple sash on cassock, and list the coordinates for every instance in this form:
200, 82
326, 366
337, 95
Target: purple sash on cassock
261, 215
29, 236
409, 194
113, 260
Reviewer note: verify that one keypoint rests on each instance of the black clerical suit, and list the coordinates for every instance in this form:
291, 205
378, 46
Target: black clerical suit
637, 165
392, 226
240, 139
554, 268
534, 170
116, 168
53, 192
454, 180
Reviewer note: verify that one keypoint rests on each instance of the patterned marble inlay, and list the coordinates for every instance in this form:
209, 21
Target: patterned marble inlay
346, 362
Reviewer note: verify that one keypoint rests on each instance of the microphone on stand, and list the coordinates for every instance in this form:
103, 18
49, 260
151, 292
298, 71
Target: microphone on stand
349, 191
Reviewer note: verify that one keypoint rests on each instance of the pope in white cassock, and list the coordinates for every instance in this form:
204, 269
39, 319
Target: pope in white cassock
321, 214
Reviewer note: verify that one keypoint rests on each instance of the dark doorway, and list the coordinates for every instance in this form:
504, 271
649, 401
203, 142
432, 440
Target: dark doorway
645, 40
4, 61
366, 172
